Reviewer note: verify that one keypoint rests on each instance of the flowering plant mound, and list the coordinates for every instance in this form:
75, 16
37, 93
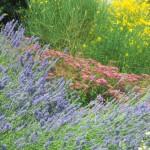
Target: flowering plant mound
87, 72
131, 13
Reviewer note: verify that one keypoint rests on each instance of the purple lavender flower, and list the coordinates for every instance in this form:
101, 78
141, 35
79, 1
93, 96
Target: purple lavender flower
4, 79
4, 126
1, 85
2, 69
7, 126
34, 137
100, 99
14, 36
2, 117
47, 144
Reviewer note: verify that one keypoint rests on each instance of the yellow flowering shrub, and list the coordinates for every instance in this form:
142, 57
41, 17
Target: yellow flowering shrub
131, 13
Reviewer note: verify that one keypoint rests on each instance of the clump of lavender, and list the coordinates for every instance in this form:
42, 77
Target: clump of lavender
31, 95
14, 34
34, 94
31, 86
107, 126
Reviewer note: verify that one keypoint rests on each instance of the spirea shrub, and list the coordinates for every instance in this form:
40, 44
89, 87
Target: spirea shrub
36, 111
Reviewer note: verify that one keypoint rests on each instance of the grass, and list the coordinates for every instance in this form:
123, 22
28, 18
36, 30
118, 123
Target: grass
61, 22
112, 33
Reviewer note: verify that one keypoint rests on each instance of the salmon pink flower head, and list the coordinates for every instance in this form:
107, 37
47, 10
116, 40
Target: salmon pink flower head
77, 65
85, 77
92, 78
101, 81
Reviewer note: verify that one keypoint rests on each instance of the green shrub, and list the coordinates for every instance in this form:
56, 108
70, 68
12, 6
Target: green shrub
90, 28
114, 48
63, 23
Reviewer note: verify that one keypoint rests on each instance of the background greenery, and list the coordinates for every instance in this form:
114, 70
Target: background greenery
108, 32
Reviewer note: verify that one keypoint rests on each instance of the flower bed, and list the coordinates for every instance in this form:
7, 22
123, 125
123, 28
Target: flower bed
37, 109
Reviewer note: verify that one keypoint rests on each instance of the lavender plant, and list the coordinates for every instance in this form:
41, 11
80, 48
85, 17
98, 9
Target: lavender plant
112, 127
32, 97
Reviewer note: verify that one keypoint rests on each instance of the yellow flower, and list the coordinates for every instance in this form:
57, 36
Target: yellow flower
144, 22
125, 22
121, 28
118, 22
130, 30
146, 44
130, 13
84, 45
98, 39
126, 54
111, 29
98, 12
131, 42
146, 32
118, 14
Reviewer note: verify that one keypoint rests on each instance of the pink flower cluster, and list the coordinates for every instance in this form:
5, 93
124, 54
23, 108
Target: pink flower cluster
87, 72
90, 68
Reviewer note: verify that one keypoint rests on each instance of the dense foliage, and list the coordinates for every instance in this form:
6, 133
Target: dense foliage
61, 22
112, 32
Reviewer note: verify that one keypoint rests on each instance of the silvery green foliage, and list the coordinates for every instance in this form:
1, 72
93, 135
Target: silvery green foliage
117, 126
